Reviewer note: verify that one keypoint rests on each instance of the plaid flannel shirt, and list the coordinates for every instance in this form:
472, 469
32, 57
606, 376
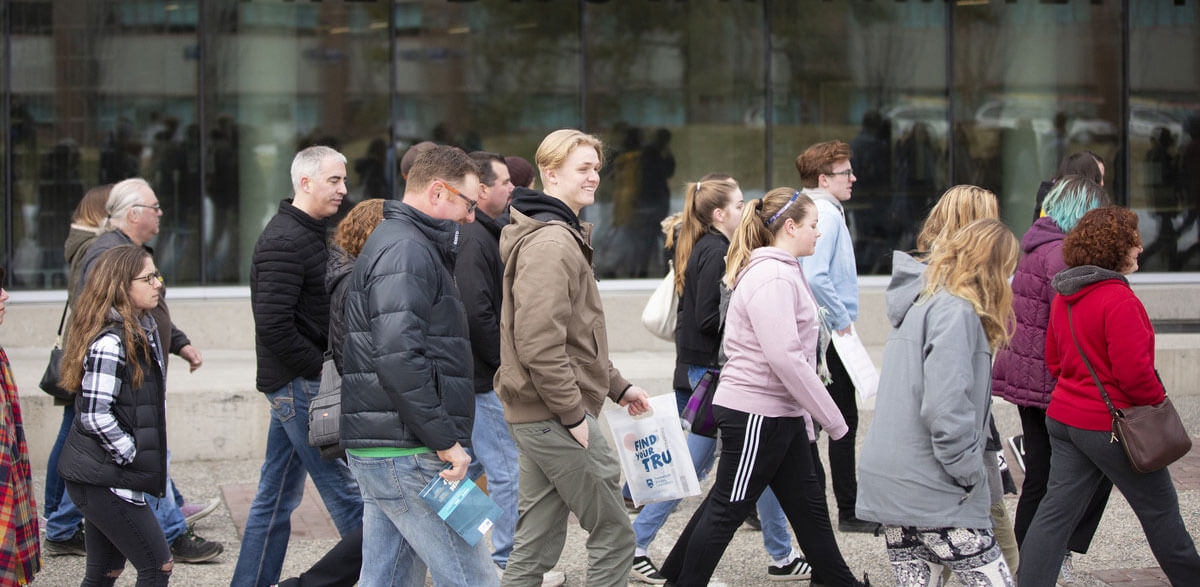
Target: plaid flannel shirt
20, 553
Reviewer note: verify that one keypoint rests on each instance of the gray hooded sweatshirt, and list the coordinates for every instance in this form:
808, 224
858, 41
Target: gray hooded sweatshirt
922, 462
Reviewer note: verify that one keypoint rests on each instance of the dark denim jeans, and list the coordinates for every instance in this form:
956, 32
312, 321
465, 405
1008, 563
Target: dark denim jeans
288, 461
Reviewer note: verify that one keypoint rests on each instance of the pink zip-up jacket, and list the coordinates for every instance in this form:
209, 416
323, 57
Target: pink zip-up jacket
771, 333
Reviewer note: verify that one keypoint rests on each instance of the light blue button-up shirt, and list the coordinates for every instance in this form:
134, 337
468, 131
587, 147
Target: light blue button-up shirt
831, 270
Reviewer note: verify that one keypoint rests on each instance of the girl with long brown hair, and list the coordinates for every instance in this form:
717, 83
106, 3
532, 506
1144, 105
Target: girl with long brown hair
116, 451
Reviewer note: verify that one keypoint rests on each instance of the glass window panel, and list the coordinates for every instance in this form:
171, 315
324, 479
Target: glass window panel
281, 76
1033, 83
872, 75
489, 75
1164, 132
101, 91
676, 91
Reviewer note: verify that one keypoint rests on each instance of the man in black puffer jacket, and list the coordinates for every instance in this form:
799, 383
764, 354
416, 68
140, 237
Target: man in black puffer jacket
291, 321
408, 400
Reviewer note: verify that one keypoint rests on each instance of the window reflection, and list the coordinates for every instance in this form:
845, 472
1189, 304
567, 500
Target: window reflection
82, 115
873, 75
1164, 124
209, 101
1034, 82
279, 77
676, 91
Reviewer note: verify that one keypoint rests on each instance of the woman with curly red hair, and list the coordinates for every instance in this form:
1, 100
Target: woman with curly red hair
1097, 313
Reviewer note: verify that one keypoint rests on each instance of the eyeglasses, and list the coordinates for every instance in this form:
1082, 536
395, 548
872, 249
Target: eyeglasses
157, 207
471, 204
846, 172
150, 278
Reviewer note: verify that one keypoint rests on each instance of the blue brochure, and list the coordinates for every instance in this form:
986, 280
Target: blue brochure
463, 505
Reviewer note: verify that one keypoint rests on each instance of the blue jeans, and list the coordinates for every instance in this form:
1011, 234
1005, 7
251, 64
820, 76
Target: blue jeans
281, 486
494, 452
776, 540
55, 488
394, 513
64, 522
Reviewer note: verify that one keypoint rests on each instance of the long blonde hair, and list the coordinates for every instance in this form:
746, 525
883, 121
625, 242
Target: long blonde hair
107, 287
975, 264
700, 200
958, 207
757, 229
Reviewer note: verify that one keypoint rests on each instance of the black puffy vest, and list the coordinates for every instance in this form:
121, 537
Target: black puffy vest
139, 412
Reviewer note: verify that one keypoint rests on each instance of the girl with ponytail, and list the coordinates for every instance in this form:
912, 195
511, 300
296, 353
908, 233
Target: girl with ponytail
769, 394
711, 213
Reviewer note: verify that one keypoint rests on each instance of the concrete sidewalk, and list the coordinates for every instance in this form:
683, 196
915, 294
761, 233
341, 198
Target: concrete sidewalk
1119, 554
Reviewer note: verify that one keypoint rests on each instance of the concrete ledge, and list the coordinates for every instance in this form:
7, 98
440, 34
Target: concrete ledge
216, 413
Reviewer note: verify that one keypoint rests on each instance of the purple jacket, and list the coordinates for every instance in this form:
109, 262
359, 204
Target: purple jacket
1019, 374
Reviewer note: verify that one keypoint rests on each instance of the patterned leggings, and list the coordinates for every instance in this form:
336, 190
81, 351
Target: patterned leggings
918, 555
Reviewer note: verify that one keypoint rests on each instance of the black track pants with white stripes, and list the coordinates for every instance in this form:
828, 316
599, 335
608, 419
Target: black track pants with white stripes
757, 451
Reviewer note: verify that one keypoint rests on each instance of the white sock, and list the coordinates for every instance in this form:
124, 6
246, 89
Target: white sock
787, 560
639, 551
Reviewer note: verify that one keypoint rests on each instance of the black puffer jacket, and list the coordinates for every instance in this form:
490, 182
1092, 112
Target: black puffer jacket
337, 283
407, 360
141, 413
288, 298
479, 273
698, 334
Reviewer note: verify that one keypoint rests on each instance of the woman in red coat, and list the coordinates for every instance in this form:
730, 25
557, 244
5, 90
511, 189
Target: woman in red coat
1112, 328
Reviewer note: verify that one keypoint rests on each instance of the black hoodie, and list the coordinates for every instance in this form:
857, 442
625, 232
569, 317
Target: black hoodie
541, 207
479, 273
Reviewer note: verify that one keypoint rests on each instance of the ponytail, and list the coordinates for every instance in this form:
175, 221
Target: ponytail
761, 220
700, 200
751, 234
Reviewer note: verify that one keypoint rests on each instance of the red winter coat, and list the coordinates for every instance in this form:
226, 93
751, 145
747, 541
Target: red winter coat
1114, 330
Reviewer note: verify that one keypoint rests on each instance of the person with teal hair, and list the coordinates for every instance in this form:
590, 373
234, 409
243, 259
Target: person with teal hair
1019, 374
1071, 198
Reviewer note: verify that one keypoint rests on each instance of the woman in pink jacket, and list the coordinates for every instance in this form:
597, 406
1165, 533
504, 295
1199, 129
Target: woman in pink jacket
768, 396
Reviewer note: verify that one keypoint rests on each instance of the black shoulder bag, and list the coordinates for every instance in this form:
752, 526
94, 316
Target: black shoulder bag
49, 383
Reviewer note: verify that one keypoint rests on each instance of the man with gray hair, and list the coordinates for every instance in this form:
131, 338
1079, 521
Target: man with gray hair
291, 325
133, 218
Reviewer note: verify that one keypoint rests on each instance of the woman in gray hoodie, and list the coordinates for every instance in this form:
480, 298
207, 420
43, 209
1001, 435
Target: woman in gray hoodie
922, 472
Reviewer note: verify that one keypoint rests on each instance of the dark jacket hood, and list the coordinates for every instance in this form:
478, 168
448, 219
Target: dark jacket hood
539, 206
1045, 230
1074, 280
77, 242
902, 291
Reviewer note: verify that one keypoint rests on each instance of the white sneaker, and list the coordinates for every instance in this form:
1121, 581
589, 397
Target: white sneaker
1066, 574
554, 579
194, 511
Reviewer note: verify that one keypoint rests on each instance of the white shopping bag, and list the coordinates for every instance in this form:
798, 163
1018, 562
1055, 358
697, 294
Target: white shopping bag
653, 452
858, 363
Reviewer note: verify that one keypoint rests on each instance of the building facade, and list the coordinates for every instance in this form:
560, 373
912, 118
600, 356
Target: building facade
209, 99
